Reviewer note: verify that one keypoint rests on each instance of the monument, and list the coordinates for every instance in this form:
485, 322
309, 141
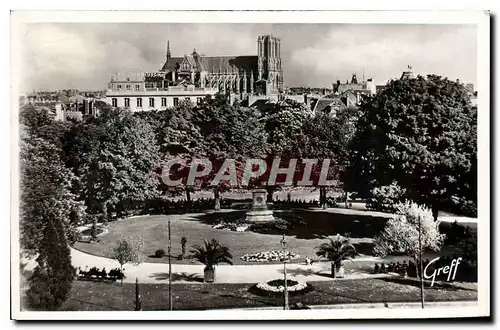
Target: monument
259, 211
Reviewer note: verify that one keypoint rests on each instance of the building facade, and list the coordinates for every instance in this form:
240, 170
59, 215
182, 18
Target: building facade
362, 87
195, 76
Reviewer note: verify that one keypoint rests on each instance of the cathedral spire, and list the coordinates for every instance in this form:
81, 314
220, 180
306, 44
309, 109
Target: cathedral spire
168, 50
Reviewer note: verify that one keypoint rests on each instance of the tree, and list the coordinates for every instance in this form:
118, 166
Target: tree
128, 250
337, 250
230, 132
215, 130
401, 233
78, 143
179, 137
421, 133
44, 178
39, 123
284, 124
211, 254
120, 171
327, 137
50, 284
32, 119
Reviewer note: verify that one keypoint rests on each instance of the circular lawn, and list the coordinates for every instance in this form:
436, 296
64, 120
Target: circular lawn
307, 230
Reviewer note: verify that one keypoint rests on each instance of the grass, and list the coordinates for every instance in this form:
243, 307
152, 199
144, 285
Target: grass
153, 229
95, 296
307, 232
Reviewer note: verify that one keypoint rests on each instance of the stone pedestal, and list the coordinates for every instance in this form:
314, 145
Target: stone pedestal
259, 211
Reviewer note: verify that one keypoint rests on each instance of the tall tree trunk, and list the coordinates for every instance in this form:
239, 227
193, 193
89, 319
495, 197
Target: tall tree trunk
417, 267
322, 197
121, 277
435, 211
346, 199
217, 199
270, 191
104, 218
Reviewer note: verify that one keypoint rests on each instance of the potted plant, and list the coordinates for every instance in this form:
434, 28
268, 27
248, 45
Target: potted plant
211, 254
337, 250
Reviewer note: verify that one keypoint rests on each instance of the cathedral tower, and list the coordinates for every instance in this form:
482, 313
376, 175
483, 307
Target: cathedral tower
269, 62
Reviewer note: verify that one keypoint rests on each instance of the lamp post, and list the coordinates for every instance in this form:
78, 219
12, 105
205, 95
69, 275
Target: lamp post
421, 265
169, 266
285, 292
137, 296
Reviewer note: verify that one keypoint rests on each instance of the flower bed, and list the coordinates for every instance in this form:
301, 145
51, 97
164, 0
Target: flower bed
88, 231
276, 287
269, 256
235, 226
85, 232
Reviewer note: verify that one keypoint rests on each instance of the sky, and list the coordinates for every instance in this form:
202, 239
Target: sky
84, 55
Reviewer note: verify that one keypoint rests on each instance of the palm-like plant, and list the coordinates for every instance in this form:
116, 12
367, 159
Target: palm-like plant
211, 253
337, 250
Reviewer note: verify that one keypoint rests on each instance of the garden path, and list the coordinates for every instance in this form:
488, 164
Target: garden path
158, 272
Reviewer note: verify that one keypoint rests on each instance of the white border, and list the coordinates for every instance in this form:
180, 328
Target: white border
479, 18
313, 16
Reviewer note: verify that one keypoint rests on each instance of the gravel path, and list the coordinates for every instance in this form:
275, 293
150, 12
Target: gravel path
158, 273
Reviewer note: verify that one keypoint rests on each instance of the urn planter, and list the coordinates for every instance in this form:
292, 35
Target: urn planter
209, 275
338, 270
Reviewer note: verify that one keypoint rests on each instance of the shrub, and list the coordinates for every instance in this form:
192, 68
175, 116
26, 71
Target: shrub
401, 232
468, 246
384, 198
160, 253
460, 206
332, 202
456, 233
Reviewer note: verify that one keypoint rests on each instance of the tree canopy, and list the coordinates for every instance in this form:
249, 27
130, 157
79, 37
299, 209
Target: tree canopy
420, 133
45, 192
119, 166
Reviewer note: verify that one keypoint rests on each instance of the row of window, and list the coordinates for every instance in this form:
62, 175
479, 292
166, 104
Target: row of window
154, 85
114, 102
129, 87
138, 87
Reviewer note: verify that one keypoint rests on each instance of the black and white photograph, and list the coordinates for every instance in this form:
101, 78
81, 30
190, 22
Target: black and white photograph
235, 165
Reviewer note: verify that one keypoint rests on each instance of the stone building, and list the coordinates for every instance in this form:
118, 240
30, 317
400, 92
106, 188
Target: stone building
195, 76
362, 87
261, 74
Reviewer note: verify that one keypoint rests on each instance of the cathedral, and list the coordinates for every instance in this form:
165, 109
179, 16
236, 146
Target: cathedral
194, 77
241, 75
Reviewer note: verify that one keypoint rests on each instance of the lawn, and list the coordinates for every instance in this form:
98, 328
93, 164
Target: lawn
302, 239
93, 296
307, 231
